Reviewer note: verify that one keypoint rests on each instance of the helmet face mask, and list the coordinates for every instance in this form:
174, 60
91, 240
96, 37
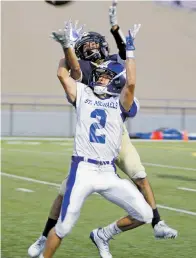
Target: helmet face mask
91, 50
100, 73
92, 54
108, 78
98, 47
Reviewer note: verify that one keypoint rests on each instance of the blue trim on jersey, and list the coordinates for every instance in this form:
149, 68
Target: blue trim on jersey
69, 187
115, 58
131, 113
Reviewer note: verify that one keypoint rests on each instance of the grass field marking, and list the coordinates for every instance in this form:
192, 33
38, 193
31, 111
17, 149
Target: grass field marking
70, 149
168, 166
186, 189
53, 184
14, 142
166, 148
37, 138
62, 143
177, 210
39, 152
71, 139
37, 143
25, 190
23, 142
29, 179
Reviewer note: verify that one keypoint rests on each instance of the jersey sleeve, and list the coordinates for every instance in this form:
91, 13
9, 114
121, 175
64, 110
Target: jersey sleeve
116, 58
133, 110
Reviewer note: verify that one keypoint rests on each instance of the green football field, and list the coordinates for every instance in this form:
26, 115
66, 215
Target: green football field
170, 166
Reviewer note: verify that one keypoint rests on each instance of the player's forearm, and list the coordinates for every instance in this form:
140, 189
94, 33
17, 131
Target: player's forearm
62, 72
130, 74
120, 41
73, 63
67, 82
127, 94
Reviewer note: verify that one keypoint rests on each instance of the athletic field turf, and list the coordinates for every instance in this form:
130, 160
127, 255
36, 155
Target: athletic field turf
170, 166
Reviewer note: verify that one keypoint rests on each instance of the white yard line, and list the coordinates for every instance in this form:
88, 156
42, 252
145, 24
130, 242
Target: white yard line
186, 189
70, 149
24, 190
71, 139
23, 142
167, 166
36, 139
29, 179
177, 210
53, 184
39, 152
37, 143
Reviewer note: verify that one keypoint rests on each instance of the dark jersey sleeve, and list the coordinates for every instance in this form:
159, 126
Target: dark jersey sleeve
119, 42
86, 68
115, 58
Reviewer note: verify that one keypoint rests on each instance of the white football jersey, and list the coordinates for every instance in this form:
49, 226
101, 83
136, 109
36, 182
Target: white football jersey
99, 125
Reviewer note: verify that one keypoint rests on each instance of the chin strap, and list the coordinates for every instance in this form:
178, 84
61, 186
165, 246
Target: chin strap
100, 90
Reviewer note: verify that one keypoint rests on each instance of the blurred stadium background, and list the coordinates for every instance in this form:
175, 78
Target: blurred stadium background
33, 102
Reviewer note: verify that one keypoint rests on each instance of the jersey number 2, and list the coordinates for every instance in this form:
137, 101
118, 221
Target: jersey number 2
93, 137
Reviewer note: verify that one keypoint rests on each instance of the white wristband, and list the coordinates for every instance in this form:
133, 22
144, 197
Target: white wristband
130, 54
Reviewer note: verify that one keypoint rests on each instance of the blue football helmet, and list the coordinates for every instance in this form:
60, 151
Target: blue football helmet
92, 54
115, 72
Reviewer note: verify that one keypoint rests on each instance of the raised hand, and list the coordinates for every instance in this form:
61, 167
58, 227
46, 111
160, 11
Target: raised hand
69, 35
113, 13
131, 36
76, 32
135, 30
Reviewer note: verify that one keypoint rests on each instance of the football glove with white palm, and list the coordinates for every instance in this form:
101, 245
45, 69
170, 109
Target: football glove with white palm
131, 36
113, 13
69, 35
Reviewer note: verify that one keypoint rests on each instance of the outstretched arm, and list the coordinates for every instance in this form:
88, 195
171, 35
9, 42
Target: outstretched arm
67, 82
69, 85
72, 63
73, 33
127, 94
116, 31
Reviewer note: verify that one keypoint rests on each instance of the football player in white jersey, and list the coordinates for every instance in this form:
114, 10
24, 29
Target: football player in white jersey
100, 116
130, 166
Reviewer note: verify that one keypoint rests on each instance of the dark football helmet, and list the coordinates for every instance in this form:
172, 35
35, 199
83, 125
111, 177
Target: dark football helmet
92, 54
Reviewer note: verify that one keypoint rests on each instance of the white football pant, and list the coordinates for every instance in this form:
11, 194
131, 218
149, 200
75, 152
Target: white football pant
86, 178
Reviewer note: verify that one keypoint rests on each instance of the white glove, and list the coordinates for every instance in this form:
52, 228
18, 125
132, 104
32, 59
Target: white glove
76, 32
130, 38
113, 13
133, 32
68, 36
